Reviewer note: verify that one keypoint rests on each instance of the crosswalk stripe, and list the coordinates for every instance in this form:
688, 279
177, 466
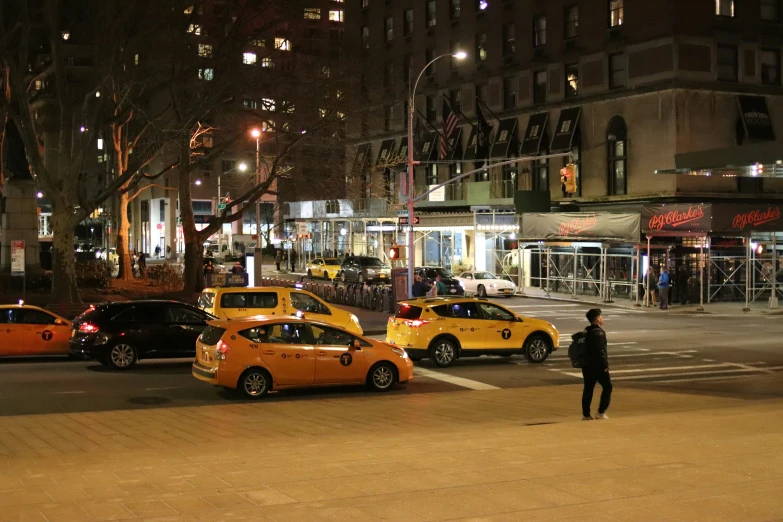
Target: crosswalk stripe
713, 372
453, 379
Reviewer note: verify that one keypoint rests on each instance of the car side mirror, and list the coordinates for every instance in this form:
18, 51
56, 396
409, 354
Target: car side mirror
59, 322
355, 345
518, 319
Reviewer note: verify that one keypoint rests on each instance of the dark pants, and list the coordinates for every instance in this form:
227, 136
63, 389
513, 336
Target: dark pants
591, 377
277, 263
293, 265
664, 291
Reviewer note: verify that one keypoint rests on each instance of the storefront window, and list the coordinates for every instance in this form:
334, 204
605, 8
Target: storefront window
617, 151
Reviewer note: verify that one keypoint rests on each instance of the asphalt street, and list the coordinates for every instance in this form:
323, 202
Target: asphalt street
720, 356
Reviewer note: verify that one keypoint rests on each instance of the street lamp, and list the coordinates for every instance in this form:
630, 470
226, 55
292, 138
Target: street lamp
258, 252
459, 55
242, 167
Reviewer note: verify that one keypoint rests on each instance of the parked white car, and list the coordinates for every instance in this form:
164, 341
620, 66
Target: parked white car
484, 284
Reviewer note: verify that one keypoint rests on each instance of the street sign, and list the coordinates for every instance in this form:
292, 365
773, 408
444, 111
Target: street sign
404, 220
221, 206
17, 258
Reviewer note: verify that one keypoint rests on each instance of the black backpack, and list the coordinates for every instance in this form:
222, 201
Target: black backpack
577, 352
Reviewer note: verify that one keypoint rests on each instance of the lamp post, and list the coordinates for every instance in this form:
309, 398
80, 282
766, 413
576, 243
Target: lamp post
258, 253
460, 55
242, 167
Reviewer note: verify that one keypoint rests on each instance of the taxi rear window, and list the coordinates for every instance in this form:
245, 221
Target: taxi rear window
249, 300
206, 300
211, 335
408, 312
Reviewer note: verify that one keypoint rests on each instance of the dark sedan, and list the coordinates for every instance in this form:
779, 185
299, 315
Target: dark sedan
364, 269
119, 334
430, 273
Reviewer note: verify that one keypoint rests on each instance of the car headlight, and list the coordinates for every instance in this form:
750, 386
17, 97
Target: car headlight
399, 351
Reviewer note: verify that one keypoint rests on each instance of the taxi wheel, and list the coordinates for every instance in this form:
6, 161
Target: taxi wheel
254, 383
382, 376
482, 292
537, 349
443, 352
121, 356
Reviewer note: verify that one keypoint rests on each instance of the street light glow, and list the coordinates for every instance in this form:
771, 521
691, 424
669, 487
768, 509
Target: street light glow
242, 167
460, 55
256, 133
198, 182
40, 195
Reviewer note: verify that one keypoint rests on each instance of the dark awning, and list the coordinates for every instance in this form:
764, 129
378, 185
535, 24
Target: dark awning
755, 118
470, 149
747, 217
736, 157
567, 124
536, 128
575, 225
402, 151
384, 153
362, 157
455, 145
505, 137
427, 150
677, 217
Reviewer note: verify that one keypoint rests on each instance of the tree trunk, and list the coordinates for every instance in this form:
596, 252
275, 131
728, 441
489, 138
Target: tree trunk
64, 291
193, 274
123, 240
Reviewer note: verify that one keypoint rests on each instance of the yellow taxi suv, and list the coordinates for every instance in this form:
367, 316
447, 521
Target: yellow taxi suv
326, 267
238, 303
256, 355
29, 330
448, 328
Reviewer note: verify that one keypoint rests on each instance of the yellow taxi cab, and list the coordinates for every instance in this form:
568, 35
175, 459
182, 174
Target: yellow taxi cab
326, 267
30, 330
264, 353
239, 302
447, 328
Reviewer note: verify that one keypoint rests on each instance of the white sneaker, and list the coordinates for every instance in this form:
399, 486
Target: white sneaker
587, 418
602, 416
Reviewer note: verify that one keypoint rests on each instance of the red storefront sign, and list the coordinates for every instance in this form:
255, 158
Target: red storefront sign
677, 218
579, 225
748, 218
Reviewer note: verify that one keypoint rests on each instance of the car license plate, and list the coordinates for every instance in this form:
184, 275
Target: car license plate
205, 357
383, 275
453, 290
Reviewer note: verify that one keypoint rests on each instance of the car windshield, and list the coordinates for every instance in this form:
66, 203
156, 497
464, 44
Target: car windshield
331, 261
371, 261
434, 272
483, 275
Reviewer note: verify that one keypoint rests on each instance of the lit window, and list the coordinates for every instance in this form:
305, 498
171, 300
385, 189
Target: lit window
266, 61
258, 43
288, 108
571, 80
339, 94
724, 7
100, 143
268, 104
205, 50
38, 85
189, 10
250, 104
335, 15
322, 113
283, 44
312, 13
206, 74
249, 58
136, 59
615, 13
194, 29
66, 35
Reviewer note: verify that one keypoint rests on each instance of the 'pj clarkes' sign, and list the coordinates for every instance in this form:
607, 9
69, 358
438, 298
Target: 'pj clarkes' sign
747, 218
677, 218
578, 225
575, 225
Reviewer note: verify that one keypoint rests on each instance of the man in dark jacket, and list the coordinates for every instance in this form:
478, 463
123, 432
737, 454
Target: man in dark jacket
596, 367
419, 288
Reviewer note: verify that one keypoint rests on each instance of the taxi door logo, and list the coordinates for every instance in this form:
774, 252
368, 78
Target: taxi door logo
346, 359
46, 335
506, 334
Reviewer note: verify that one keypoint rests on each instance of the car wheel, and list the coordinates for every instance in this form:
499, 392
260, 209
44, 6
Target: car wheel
254, 383
310, 274
482, 292
122, 356
382, 376
326, 275
537, 349
443, 353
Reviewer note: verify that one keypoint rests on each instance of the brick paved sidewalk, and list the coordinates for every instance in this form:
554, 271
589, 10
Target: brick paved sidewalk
515, 454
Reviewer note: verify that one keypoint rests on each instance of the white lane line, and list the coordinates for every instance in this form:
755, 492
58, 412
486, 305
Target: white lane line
69, 392
163, 388
738, 365
724, 378
452, 379
679, 374
640, 354
674, 368
543, 306
622, 344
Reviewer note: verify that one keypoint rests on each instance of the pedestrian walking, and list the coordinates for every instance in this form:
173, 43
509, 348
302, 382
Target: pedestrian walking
278, 258
157, 251
596, 367
293, 260
649, 288
663, 287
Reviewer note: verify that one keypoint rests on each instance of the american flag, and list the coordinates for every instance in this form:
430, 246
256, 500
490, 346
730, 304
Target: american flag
450, 121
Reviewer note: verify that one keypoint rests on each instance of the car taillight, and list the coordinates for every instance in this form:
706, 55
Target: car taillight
88, 328
222, 350
416, 323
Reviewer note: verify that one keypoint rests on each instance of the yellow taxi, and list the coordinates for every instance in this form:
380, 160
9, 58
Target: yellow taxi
326, 267
264, 353
236, 303
30, 330
447, 328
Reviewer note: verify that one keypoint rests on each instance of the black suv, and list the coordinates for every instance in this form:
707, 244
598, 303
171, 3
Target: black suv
119, 334
428, 275
365, 269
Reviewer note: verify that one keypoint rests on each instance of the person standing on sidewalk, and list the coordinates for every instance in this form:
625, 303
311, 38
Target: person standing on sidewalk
663, 287
278, 258
649, 288
294, 255
596, 366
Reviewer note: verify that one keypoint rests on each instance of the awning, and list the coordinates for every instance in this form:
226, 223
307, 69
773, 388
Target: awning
677, 217
563, 138
402, 151
470, 149
505, 137
384, 154
362, 158
427, 150
755, 118
581, 225
536, 128
746, 218
455, 145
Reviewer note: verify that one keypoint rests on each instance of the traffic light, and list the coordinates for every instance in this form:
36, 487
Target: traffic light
568, 178
396, 252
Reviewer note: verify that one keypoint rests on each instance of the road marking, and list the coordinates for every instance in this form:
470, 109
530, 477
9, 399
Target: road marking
719, 378
716, 370
738, 365
69, 392
452, 379
542, 306
622, 344
163, 388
